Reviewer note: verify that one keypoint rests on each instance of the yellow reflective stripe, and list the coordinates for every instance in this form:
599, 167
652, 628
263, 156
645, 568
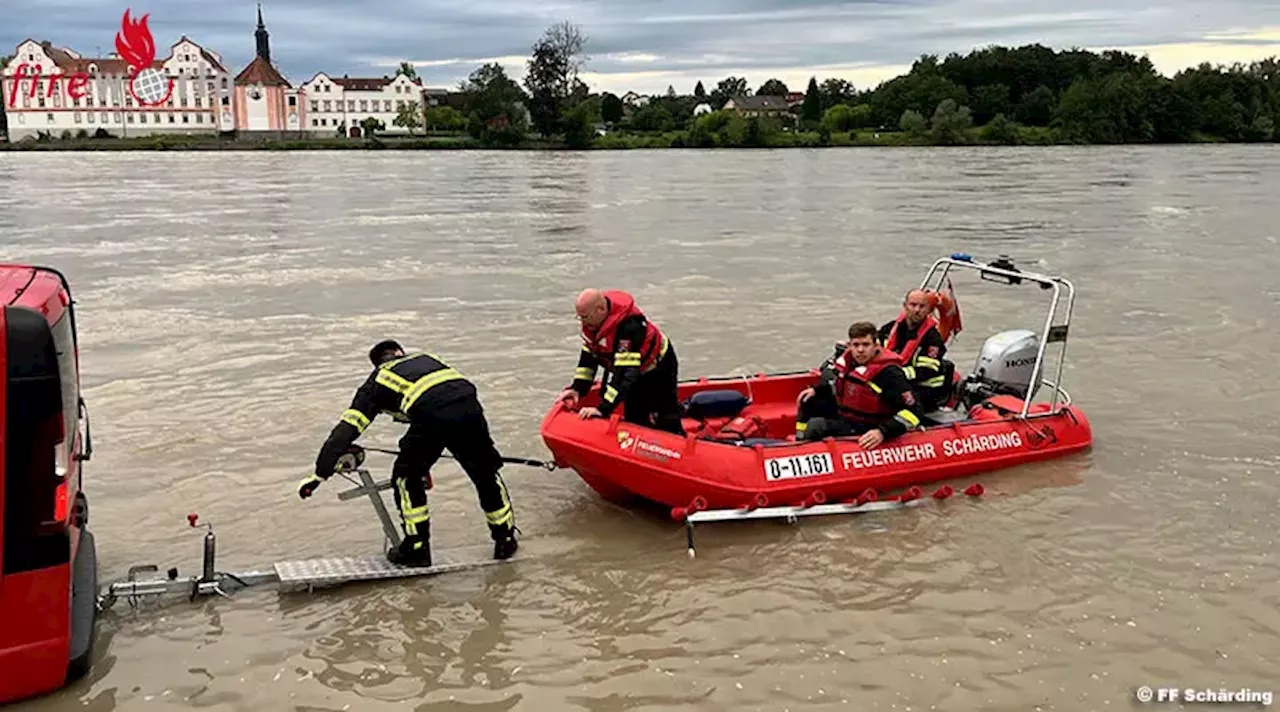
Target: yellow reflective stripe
801, 427
411, 515
585, 374
500, 517
910, 371
874, 387
393, 381
927, 362
661, 352
355, 419
907, 418
935, 382
585, 348
625, 359
425, 384
504, 515
610, 393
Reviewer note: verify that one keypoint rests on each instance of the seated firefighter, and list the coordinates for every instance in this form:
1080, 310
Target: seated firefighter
864, 392
915, 337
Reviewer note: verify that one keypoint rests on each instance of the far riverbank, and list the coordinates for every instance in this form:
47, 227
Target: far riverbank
982, 136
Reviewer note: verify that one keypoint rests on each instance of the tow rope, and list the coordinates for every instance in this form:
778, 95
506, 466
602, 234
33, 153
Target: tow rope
549, 466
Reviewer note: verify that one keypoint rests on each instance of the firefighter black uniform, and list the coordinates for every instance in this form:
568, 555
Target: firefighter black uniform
640, 366
851, 400
443, 411
922, 350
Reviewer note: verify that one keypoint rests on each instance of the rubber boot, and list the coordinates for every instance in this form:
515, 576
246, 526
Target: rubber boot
413, 551
504, 541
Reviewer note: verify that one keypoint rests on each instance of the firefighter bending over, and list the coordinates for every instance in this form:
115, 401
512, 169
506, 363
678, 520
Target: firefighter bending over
639, 363
865, 392
443, 411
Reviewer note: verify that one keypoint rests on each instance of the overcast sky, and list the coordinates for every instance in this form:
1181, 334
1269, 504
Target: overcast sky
647, 45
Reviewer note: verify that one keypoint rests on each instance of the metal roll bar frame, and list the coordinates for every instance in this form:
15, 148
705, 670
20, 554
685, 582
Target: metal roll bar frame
1052, 332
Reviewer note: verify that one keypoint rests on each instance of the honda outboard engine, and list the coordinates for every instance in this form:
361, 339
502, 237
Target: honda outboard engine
1004, 367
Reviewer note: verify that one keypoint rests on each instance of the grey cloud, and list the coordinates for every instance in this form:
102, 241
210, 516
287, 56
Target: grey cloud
708, 37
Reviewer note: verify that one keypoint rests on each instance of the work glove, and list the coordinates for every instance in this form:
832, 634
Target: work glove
350, 460
308, 486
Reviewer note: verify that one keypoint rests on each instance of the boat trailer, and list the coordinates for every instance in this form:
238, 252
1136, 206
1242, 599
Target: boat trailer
816, 505
306, 574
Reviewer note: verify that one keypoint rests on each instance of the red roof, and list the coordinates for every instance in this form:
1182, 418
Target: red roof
360, 84
106, 65
113, 65
261, 72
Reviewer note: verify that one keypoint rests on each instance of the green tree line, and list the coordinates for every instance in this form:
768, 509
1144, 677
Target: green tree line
1003, 95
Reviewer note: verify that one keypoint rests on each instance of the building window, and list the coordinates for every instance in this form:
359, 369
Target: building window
200, 119
226, 101
293, 101
315, 122
386, 105
142, 118
49, 118
315, 105
22, 118
351, 105
186, 118
90, 116
172, 119
364, 105
77, 118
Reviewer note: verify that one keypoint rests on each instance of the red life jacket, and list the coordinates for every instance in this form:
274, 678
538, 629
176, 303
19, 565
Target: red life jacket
741, 428
601, 341
908, 350
855, 396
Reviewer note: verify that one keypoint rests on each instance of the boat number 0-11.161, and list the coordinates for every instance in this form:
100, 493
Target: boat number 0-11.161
810, 465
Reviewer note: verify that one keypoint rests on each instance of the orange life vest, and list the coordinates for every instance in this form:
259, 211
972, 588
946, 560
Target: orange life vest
602, 341
908, 350
855, 396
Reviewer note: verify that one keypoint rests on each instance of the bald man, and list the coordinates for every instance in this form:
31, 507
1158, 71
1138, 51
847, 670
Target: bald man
914, 335
638, 360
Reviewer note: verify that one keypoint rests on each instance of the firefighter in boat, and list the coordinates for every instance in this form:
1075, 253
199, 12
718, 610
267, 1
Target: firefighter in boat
638, 360
865, 392
915, 337
443, 411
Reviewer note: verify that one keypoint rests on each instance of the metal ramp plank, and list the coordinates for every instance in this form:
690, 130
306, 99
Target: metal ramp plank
364, 568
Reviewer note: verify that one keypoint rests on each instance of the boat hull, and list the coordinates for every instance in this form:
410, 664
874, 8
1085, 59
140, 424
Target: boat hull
620, 460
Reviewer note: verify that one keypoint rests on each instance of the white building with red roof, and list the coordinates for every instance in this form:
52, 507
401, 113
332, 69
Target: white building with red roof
342, 103
57, 91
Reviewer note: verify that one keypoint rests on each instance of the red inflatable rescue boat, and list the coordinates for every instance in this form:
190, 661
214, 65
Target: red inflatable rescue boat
993, 421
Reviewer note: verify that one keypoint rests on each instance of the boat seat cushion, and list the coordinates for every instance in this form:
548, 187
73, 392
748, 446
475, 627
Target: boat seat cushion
945, 416
715, 404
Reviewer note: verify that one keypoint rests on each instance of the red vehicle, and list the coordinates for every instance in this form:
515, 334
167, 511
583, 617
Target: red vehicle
48, 564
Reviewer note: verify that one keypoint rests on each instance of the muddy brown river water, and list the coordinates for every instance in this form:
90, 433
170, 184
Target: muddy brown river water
226, 302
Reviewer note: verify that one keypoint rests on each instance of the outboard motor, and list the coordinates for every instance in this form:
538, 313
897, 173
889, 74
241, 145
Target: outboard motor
1004, 367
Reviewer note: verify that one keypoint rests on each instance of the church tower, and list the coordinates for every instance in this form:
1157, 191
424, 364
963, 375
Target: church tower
264, 39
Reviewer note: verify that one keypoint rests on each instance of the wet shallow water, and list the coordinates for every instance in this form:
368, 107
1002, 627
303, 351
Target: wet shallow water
226, 302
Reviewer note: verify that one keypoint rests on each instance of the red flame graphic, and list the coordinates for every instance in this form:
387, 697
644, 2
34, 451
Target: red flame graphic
135, 44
